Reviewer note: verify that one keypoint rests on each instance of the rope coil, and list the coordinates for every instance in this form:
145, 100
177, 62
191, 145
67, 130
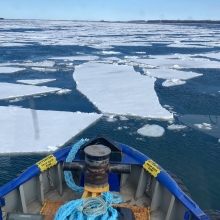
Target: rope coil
98, 208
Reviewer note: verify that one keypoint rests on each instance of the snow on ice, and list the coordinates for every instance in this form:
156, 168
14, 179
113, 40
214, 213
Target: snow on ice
10, 90
7, 69
171, 74
118, 89
35, 81
20, 132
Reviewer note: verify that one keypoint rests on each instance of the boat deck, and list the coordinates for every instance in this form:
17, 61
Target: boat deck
127, 193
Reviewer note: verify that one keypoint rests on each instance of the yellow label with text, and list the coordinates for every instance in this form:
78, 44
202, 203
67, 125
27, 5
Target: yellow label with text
152, 167
47, 162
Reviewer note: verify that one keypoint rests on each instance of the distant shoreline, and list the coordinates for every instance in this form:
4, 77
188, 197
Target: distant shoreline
135, 21
177, 21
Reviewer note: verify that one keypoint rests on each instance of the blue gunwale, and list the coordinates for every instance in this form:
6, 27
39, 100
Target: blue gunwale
138, 158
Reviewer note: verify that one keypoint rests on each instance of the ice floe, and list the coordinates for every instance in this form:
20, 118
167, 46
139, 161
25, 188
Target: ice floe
118, 89
101, 47
176, 127
13, 44
110, 52
6, 69
21, 132
151, 130
72, 58
35, 81
211, 55
44, 69
11, 91
166, 63
189, 45
34, 65
173, 82
171, 74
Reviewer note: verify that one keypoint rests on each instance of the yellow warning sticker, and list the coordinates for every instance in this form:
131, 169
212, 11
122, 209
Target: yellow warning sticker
152, 167
47, 162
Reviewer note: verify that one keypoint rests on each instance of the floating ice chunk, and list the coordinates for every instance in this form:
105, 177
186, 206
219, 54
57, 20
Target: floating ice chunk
123, 118
130, 44
118, 89
64, 91
131, 57
16, 100
173, 82
202, 126
10, 90
111, 118
141, 52
151, 130
72, 58
167, 106
19, 133
177, 67
218, 140
199, 125
44, 69
45, 63
206, 124
119, 128
110, 52
172, 74
175, 127
6, 69
101, 47
35, 81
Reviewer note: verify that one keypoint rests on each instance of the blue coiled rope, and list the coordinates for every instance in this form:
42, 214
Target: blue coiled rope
98, 208
67, 174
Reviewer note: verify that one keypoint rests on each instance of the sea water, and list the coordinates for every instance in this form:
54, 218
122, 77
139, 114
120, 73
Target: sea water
192, 153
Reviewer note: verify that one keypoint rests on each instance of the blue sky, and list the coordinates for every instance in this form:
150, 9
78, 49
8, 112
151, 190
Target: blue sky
112, 10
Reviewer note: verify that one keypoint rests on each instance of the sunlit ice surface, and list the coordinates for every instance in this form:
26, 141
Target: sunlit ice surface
145, 57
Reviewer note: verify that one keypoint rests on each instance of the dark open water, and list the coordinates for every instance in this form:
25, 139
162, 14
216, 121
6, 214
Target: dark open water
193, 155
